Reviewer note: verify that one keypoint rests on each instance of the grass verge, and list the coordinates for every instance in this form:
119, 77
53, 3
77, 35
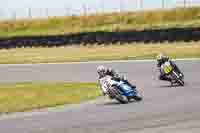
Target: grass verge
28, 95
157, 19
94, 53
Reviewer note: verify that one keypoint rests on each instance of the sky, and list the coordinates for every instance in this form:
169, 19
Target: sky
10, 9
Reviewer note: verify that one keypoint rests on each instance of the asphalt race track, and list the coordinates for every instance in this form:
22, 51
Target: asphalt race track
164, 109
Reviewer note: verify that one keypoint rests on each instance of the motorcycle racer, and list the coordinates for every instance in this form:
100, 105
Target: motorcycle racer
103, 71
161, 59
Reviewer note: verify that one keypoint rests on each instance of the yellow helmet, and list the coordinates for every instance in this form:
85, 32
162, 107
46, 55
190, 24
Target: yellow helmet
161, 57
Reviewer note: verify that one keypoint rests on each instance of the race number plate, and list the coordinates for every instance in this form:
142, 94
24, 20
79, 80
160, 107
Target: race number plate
167, 69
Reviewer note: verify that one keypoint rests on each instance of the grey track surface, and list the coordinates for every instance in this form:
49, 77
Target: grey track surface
164, 109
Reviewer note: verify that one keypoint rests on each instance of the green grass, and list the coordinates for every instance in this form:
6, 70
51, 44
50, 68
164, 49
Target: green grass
27, 96
158, 19
94, 53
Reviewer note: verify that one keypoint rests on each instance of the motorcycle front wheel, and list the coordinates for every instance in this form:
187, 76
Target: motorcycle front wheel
177, 78
118, 96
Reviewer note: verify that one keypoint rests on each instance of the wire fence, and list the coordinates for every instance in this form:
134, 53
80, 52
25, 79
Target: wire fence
86, 9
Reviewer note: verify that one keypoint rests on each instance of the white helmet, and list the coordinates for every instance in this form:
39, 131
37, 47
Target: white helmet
101, 70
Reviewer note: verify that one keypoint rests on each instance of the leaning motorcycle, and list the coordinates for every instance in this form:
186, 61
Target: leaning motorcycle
172, 74
118, 90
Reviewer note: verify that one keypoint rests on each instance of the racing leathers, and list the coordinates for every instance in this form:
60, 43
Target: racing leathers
163, 76
116, 76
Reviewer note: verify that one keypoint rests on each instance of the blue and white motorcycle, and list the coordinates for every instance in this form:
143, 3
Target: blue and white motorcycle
118, 90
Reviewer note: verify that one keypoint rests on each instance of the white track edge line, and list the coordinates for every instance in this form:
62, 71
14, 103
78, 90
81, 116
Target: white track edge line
100, 61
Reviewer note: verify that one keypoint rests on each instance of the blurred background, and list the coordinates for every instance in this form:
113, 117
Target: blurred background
14, 9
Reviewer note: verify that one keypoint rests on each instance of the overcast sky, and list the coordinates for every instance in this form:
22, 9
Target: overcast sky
19, 8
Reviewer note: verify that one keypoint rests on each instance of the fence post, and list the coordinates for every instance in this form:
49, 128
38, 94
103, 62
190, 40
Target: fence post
29, 13
120, 11
1, 14
141, 4
84, 20
47, 12
67, 11
163, 4
120, 6
102, 6
14, 15
84, 10
184, 3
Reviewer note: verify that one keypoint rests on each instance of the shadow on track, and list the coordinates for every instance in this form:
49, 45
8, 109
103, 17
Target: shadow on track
115, 103
171, 86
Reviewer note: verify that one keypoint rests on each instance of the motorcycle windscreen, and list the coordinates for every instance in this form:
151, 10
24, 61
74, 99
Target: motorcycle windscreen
127, 90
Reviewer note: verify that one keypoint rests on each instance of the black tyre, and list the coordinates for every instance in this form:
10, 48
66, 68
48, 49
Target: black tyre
181, 82
117, 94
137, 98
177, 78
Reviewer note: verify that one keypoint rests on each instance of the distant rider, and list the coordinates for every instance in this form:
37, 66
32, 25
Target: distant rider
103, 71
161, 59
